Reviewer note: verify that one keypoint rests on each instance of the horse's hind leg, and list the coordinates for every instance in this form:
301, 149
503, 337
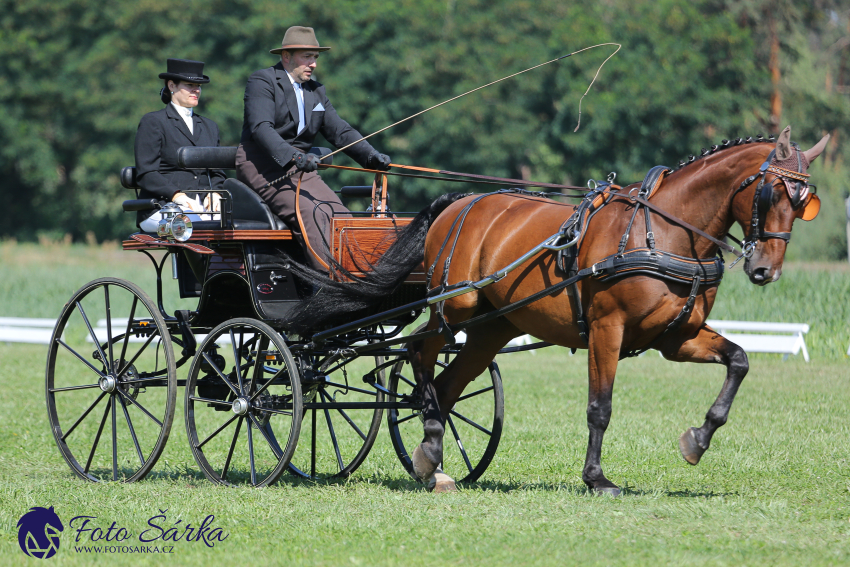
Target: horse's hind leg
423, 355
709, 346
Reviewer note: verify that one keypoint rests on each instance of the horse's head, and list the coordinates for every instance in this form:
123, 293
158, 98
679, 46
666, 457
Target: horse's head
767, 208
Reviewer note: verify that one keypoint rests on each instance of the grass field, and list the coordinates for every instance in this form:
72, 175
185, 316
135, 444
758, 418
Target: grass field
774, 489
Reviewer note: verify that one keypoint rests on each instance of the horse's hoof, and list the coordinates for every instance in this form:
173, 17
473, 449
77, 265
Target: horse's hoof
689, 447
609, 490
441, 482
423, 468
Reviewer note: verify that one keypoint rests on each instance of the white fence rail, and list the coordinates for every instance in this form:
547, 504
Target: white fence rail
752, 336
763, 336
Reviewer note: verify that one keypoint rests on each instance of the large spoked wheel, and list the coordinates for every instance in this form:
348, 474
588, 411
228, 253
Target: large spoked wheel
110, 382
342, 415
243, 404
473, 429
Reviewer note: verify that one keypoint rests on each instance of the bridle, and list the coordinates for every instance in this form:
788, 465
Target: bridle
763, 197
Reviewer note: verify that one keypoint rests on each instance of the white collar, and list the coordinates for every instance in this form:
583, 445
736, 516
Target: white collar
182, 110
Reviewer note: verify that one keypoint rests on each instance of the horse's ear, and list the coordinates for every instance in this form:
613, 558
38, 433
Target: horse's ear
783, 145
817, 149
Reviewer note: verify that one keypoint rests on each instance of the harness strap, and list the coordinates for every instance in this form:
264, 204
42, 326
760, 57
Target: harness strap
686, 225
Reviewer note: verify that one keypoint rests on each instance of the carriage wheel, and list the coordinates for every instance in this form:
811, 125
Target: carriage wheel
110, 382
243, 404
473, 429
340, 418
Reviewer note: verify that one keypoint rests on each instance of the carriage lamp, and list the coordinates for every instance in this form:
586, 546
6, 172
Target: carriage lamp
174, 225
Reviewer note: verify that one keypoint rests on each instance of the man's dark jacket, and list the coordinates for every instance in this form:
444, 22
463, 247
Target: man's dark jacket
158, 138
270, 129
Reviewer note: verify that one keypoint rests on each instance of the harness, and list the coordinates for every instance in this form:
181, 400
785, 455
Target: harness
645, 260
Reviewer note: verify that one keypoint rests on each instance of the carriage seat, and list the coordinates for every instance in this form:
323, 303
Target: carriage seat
250, 212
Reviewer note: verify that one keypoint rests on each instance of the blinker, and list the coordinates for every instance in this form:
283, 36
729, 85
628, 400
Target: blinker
811, 209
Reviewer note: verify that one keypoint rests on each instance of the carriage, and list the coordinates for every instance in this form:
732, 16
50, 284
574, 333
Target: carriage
253, 388
597, 275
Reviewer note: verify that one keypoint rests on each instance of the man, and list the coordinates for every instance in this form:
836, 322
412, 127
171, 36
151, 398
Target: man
284, 111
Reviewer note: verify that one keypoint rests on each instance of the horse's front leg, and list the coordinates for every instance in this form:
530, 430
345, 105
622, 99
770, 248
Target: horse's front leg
603, 356
709, 346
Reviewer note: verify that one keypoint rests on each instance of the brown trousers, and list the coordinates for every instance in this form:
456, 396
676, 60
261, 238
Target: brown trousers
317, 204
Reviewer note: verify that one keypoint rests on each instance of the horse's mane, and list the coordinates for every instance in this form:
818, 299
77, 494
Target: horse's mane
724, 144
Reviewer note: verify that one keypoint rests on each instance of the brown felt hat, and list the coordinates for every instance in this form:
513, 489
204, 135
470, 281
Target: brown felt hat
299, 37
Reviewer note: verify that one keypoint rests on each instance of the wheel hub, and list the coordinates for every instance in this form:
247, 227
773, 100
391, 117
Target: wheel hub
240, 406
107, 384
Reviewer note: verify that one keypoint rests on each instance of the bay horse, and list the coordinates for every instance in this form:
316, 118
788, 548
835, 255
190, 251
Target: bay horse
760, 185
623, 315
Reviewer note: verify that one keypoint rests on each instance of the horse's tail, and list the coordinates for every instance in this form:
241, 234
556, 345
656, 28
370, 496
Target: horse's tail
353, 294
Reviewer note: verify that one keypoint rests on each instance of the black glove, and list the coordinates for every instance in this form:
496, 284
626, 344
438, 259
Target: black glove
306, 162
378, 161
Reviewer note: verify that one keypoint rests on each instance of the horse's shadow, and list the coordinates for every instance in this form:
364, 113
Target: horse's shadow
194, 478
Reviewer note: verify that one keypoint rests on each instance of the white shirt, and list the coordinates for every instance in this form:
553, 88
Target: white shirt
186, 115
299, 95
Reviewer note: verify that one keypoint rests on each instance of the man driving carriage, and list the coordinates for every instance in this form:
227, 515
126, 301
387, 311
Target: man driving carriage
284, 111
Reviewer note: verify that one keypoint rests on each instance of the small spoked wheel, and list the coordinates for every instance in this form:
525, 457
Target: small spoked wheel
110, 382
342, 417
473, 428
243, 404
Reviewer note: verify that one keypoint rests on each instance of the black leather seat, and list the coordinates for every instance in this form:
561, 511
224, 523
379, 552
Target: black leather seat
250, 212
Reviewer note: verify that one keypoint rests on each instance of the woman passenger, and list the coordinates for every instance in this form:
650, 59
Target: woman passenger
162, 133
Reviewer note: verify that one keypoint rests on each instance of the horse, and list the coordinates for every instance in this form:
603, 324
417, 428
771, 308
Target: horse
624, 314
463, 238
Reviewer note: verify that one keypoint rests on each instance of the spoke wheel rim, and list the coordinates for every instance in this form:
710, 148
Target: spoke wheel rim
241, 430
107, 425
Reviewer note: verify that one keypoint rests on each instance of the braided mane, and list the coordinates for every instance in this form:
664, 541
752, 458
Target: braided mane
723, 145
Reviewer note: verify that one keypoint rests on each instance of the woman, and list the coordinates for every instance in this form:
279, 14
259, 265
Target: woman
163, 132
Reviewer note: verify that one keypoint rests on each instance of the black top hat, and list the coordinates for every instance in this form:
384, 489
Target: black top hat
185, 70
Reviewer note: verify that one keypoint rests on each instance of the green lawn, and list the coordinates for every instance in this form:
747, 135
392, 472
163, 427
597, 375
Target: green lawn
774, 489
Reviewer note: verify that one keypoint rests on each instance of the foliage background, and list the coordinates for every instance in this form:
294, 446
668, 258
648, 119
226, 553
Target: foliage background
76, 76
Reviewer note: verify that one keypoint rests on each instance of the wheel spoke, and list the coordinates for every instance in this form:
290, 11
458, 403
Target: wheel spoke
470, 422
405, 380
114, 442
111, 364
266, 385
344, 415
129, 326
211, 401
82, 417
138, 405
97, 437
333, 434
473, 394
81, 359
132, 431
402, 420
93, 336
459, 443
261, 428
217, 431
251, 453
138, 353
69, 388
222, 376
236, 356
232, 446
